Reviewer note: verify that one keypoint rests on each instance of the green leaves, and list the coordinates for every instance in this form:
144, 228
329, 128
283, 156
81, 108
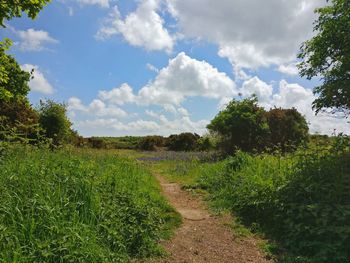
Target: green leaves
328, 54
15, 8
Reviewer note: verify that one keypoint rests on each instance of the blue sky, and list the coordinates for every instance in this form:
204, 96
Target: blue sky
166, 66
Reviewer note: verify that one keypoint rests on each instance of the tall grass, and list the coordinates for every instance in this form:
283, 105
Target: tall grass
69, 206
300, 201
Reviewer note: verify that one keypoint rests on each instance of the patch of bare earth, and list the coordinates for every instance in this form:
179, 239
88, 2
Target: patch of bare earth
204, 237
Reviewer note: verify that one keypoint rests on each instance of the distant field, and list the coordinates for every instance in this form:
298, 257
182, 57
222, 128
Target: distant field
79, 206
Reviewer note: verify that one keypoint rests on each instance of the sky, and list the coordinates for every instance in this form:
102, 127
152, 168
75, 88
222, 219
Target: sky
147, 67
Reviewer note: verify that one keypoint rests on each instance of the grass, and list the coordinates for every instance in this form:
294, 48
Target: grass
79, 206
299, 201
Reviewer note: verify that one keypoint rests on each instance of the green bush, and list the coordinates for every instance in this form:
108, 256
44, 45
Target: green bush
151, 143
183, 142
301, 200
69, 206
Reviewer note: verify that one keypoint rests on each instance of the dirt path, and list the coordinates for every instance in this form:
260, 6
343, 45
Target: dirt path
204, 237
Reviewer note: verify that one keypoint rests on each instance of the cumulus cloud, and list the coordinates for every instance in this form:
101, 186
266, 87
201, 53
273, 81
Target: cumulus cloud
101, 3
252, 33
34, 40
186, 77
119, 96
160, 126
258, 87
38, 83
143, 28
289, 69
96, 108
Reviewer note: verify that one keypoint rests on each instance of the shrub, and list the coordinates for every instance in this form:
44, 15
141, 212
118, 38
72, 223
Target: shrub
151, 143
182, 142
301, 200
53, 119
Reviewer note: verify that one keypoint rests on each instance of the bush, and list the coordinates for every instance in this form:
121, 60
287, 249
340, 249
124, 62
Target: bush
302, 200
53, 119
151, 143
182, 142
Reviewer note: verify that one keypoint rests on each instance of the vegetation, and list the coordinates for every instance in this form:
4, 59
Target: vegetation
327, 55
78, 206
300, 200
11, 9
243, 125
182, 142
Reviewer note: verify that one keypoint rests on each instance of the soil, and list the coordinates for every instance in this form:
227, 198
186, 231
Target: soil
203, 236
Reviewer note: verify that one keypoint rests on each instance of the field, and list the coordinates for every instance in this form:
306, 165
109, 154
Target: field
79, 206
85, 205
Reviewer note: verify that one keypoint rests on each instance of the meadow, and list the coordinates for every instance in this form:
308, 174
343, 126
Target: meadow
71, 205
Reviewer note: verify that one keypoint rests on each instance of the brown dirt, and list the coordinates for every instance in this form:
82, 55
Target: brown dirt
204, 237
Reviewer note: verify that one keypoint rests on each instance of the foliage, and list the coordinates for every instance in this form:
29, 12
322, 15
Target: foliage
10, 9
288, 128
72, 206
53, 119
13, 80
19, 121
301, 200
151, 143
182, 142
95, 142
242, 124
328, 54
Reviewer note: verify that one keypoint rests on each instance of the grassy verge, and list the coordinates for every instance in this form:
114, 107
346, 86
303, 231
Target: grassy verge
79, 206
300, 201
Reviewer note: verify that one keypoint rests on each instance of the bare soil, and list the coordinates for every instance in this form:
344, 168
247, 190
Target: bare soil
204, 237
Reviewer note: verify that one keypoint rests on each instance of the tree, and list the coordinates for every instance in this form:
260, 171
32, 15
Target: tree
328, 54
13, 80
53, 119
242, 125
14, 8
288, 128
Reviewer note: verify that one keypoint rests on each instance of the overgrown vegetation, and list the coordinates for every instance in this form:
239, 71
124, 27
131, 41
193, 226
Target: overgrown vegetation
74, 206
300, 201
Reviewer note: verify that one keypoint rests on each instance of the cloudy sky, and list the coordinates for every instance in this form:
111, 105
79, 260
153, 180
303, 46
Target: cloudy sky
166, 66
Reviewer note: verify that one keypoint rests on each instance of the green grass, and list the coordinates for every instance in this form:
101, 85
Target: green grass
299, 201
79, 206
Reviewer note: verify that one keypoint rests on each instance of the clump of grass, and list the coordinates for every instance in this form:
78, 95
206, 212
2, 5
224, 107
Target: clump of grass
69, 206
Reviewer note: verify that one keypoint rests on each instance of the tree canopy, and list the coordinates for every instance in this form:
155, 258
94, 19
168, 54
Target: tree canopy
327, 54
246, 126
14, 8
13, 80
242, 124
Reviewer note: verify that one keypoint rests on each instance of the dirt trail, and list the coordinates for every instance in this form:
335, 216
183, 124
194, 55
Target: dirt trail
204, 237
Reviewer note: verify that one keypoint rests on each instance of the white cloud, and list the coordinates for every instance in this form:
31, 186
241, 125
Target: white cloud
34, 40
38, 82
160, 126
186, 77
289, 69
142, 28
96, 108
251, 33
119, 96
258, 87
101, 3
152, 68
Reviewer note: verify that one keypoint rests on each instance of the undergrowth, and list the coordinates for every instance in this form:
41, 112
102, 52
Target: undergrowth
75, 206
